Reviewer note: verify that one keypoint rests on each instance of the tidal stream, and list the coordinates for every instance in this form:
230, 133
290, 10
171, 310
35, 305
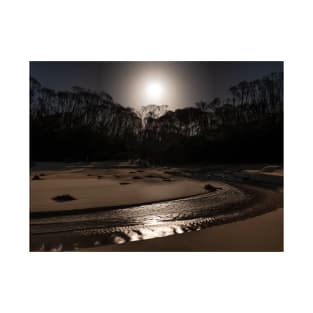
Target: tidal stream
74, 231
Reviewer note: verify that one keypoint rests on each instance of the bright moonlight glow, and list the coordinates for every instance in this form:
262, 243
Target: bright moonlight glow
154, 91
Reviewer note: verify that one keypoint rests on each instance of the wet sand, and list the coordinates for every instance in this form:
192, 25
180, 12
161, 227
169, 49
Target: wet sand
99, 186
261, 233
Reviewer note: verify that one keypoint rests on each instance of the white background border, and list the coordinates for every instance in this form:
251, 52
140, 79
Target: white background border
155, 30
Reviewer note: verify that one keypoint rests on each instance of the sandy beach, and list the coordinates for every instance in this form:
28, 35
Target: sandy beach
93, 187
97, 188
256, 234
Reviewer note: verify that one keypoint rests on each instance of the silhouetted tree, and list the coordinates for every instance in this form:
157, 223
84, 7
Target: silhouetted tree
82, 124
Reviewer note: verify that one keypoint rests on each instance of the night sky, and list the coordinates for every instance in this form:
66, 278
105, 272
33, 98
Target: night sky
181, 83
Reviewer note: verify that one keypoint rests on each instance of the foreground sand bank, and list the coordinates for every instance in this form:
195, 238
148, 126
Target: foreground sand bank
99, 186
261, 233
105, 187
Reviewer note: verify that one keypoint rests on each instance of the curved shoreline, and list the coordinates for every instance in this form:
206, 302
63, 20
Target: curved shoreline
45, 213
261, 233
95, 232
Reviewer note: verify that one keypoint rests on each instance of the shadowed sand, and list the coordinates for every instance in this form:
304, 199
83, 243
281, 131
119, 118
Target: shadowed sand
261, 233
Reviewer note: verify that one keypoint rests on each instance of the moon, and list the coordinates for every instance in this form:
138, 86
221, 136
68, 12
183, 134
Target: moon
154, 91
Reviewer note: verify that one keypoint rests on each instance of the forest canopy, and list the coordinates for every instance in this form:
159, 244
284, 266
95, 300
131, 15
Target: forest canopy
83, 125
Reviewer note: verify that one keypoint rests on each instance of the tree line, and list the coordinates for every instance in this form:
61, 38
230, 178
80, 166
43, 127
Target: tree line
246, 126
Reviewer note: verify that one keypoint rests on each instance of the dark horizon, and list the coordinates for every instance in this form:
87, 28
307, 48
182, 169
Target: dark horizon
184, 83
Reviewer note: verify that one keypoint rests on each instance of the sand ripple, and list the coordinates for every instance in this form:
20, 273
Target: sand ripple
71, 232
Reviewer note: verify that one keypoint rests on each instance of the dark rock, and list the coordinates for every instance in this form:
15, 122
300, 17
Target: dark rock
210, 188
63, 198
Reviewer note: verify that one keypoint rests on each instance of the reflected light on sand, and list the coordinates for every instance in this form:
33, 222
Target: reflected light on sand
154, 220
